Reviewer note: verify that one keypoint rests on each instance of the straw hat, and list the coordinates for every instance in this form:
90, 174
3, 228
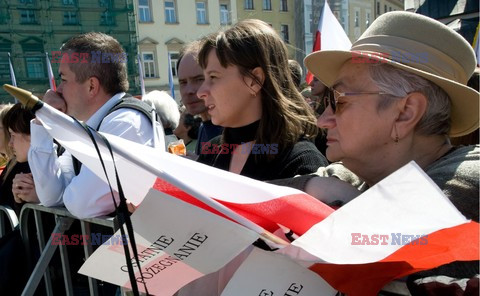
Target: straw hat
417, 44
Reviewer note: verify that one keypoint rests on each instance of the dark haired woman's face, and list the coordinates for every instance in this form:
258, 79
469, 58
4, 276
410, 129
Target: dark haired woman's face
228, 95
19, 143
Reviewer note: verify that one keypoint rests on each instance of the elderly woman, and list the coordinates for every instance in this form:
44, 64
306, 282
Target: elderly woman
248, 89
397, 96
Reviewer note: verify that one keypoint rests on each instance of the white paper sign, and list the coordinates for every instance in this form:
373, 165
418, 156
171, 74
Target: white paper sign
269, 274
177, 243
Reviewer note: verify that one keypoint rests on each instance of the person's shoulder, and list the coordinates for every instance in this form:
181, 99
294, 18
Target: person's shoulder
458, 156
306, 147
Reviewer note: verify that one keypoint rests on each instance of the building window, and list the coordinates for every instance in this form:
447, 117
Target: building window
107, 18
390, 8
4, 16
144, 11
26, 1
201, 7
27, 16
173, 63
283, 5
148, 65
35, 68
248, 4
367, 19
385, 8
70, 18
357, 21
284, 33
378, 8
105, 3
68, 2
267, 5
170, 15
224, 15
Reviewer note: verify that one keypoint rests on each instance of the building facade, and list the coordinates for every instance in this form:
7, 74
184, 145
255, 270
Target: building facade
280, 14
165, 26
29, 28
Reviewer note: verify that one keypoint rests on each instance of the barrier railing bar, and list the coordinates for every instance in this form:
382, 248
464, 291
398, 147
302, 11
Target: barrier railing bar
41, 243
67, 279
63, 223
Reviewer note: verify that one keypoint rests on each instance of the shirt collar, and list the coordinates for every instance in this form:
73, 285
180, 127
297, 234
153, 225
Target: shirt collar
98, 116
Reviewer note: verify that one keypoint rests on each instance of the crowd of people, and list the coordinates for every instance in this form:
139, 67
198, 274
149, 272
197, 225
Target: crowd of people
357, 123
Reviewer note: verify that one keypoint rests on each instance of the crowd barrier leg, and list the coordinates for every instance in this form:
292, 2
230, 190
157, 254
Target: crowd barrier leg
63, 224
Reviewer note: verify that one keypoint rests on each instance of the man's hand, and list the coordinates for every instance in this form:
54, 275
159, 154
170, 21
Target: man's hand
23, 189
55, 100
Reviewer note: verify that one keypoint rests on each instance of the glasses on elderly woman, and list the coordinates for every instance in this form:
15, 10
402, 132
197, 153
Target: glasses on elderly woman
331, 96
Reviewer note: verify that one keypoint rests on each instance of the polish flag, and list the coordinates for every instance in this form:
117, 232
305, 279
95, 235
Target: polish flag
327, 235
141, 75
12, 73
389, 231
329, 36
51, 77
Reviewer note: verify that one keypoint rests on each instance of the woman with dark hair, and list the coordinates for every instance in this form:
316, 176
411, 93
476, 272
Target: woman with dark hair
248, 89
17, 184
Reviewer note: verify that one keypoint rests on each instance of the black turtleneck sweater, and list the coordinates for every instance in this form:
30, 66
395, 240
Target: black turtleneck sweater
299, 159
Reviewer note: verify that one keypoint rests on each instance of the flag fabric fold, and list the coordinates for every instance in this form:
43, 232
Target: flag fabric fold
330, 35
141, 167
389, 231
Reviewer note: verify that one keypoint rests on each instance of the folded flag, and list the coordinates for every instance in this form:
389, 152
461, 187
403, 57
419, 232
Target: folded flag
389, 231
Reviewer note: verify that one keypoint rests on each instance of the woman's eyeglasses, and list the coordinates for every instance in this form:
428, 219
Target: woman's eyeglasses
331, 96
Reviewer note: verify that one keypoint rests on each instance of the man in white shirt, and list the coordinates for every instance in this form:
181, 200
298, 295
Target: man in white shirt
93, 74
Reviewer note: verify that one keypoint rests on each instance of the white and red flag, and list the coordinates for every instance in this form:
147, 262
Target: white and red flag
330, 35
51, 77
12, 73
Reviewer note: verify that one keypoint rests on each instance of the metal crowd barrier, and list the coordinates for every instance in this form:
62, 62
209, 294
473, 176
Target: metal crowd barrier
7, 214
63, 221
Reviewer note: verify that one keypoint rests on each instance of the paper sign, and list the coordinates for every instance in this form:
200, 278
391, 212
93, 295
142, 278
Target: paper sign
177, 243
269, 274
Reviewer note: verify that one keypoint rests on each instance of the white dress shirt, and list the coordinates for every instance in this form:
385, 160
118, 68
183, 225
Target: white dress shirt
84, 195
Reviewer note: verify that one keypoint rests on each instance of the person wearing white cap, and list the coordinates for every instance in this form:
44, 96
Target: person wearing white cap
397, 96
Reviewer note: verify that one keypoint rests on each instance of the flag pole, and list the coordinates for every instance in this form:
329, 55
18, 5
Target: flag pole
170, 76
45, 111
156, 140
51, 77
12, 74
